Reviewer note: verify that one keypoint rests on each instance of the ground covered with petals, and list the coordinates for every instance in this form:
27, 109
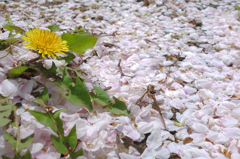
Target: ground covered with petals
188, 49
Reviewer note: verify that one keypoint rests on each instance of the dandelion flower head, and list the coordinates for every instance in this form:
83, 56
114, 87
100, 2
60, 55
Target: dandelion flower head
45, 41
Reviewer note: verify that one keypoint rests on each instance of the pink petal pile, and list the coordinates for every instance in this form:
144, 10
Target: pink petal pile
205, 83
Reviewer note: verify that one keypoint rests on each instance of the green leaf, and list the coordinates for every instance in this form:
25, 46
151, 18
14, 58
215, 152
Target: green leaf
16, 71
53, 28
4, 99
5, 157
9, 20
101, 96
76, 154
59, 145
6, 106
44, 96
11, 139
77, 72
71, 139
58, 120
27, 155
179, 124
119, 108
44, 119
4, 45
12, 40
5, 111
78, 30
79, 42
68, 58
13, 27
77, 94
24, 143
237, 7
4, 121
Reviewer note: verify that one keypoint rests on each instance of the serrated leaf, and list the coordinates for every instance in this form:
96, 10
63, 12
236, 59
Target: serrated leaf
4, 121
101, 96
77, 72
16, 71
76, 154
67, 79
44, 119
67, 58
53, 28
179, 124
119, 108
4, 99
11, 139
71, 139
78, 95
44, 96
59, 145
58, 120
6, 107
27, 155
79, 42
24, 143
5, 113
16, 28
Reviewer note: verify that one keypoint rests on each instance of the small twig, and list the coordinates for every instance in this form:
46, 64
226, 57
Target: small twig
150, 91
155, 105
106, 54
109, 45
140, 99
149, 41
4, 55
17, 125
122, 74
107, 88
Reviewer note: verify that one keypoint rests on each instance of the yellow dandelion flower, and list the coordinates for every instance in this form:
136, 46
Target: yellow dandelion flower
45, 41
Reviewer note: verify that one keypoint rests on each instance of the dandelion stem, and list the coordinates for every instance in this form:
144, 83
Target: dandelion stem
17, 125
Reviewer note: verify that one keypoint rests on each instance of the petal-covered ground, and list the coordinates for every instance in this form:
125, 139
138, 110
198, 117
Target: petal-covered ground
189, 50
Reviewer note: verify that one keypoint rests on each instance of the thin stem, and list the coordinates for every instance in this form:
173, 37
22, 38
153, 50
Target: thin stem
35, 59
17, 124
44, 107
120, 68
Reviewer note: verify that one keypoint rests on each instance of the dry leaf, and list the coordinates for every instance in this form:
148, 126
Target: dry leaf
187, 140
206, 139
127, 142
